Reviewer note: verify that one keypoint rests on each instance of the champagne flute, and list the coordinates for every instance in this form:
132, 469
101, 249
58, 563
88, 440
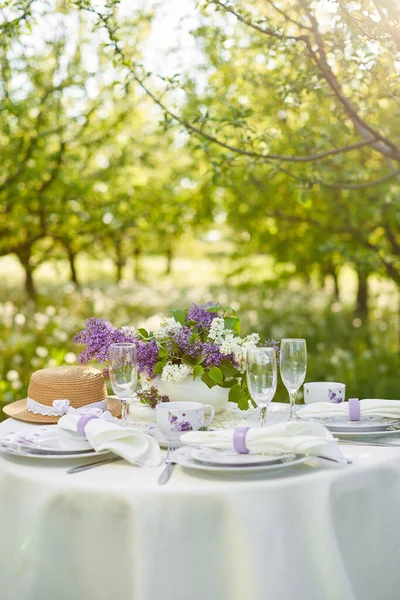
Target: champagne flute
293, 365
262, 378
123, 374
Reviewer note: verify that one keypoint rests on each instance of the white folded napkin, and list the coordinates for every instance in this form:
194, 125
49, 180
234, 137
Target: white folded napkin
290, 437
135, 446
374, 408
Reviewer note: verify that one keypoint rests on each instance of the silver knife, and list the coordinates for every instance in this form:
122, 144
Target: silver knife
92, 465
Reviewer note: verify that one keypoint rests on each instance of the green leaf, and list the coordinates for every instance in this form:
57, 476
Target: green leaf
207, 380
158, 367
213, 309
216, 375
188, 360
144, 333
237, 394
179, 315
228, 383
228, 369
232, 323
243, 403
198, 371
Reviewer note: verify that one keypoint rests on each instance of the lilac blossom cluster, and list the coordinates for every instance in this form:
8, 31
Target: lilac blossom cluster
98, 336
191, 343
201, 316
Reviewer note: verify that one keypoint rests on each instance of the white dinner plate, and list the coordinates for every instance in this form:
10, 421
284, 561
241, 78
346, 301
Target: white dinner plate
365, 435
366, 424
48, 441
45, 456
229, 458
184, 458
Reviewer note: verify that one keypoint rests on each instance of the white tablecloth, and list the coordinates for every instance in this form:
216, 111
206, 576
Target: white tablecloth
112, 533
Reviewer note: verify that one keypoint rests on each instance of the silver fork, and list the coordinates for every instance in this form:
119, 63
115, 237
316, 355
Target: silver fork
169, 463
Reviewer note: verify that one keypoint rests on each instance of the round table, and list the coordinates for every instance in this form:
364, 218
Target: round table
112, 533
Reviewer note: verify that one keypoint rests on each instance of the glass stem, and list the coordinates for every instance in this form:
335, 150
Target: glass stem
292, 397
263, 416
124, 409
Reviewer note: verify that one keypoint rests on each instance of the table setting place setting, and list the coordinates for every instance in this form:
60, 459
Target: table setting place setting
204, 399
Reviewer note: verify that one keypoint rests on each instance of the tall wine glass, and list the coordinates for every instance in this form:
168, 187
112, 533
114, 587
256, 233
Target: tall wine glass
262, 378
123, 374
293, 364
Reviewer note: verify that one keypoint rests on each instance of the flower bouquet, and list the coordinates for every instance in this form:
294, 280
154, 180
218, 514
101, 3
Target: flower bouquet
202, 342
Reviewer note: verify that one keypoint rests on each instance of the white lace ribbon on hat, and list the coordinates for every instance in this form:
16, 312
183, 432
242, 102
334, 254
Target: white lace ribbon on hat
60, 407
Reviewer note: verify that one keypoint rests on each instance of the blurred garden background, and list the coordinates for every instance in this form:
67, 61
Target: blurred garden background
158, 153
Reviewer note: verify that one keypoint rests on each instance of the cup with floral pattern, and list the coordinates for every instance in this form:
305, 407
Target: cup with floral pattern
174, 418
324, 391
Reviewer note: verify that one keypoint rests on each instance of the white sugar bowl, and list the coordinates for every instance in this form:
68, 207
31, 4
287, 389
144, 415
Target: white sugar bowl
142, 412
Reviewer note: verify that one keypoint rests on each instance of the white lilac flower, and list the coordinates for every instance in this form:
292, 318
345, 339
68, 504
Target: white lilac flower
129, 329
233, 344
251, 341
168, 327
217, 331
175, 373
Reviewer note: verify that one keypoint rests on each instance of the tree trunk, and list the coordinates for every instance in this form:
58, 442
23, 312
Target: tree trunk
169, 257
29, 283
333, 272
362, 302
24, 256
72, 265
136, 268
119, 260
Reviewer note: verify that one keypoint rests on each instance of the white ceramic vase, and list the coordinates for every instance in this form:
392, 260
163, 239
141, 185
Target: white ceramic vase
193, 390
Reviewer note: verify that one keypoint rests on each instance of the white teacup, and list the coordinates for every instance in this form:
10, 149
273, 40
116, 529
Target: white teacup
174, 418
324, 391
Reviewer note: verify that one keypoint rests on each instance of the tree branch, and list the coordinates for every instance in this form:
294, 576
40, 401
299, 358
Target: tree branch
384, 146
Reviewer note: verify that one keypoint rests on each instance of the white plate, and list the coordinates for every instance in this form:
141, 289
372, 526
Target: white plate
364, 435
184, 458
26, 454
47, 441
228, 458
47, 438
367, 424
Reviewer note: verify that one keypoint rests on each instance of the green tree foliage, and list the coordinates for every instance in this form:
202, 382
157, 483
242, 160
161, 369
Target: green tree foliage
299, 120
83, 161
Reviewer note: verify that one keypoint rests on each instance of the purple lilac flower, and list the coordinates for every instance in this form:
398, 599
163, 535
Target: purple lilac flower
213, 356
147, 355
182, 339
97, 337
201, 316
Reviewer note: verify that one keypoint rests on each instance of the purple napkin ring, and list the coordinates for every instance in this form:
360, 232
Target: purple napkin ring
239, 439
83, 421
354, 409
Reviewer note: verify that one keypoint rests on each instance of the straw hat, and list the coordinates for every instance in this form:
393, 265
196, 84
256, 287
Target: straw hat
52, 391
